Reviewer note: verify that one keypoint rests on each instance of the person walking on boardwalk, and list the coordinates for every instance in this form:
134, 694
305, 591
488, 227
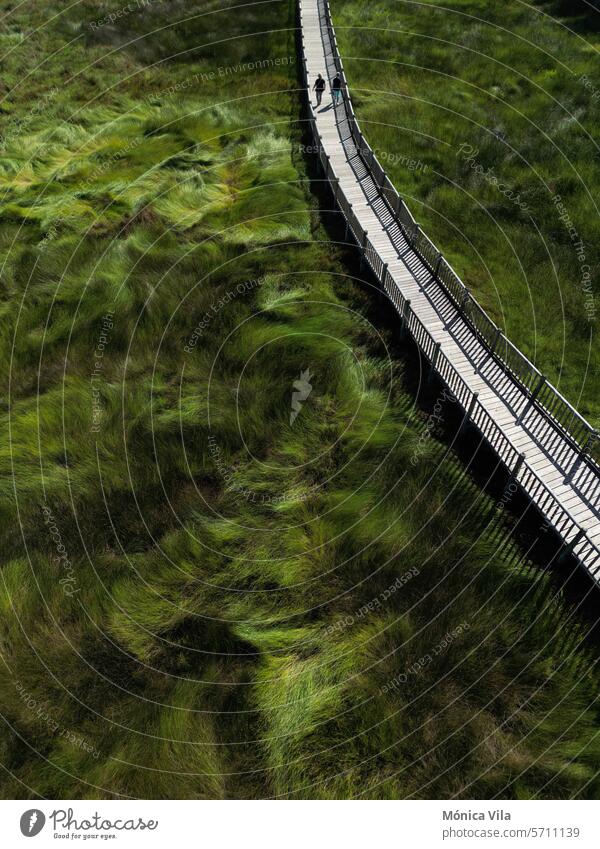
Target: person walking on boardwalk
336, 88
319, 87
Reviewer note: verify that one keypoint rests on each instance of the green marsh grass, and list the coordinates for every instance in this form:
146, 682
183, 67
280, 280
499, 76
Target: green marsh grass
184, 572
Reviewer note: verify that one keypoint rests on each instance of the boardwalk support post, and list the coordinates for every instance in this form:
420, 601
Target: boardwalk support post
508, 490
464, 299
469, 413
404, 318
434, 273
335, 188
495, 341
585, 449
516, 468
398, 205
384, 272
459, 309
348, 223
492, 348
434, 359
531, 399
363, 249
568, 548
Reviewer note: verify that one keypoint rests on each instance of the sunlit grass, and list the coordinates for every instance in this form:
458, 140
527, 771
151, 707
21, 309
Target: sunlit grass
214, 632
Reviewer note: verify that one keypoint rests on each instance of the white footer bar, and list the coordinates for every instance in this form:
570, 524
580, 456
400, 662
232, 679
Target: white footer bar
300, 825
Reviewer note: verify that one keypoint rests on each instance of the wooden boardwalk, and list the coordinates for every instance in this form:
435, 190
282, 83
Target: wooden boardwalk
545, 444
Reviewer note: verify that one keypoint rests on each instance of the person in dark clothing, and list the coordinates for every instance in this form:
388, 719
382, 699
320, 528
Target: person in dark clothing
319, 87
336, 87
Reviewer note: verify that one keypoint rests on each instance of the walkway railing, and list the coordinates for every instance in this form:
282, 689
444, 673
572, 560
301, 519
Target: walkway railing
559, 412
537, 390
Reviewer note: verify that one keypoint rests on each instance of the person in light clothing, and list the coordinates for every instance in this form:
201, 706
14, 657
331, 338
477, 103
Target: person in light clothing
336, 88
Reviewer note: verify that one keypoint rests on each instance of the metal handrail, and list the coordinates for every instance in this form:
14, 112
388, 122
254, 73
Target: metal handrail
584, 435
574, 536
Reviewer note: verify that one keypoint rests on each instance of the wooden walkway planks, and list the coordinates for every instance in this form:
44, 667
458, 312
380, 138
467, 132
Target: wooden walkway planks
502, 409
